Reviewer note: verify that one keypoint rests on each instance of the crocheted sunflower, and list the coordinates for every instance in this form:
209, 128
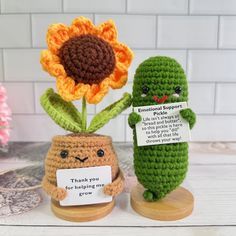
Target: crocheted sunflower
86, 59
160, 168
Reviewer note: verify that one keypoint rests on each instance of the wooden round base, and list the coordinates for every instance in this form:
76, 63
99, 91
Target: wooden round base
176, 205
82, 213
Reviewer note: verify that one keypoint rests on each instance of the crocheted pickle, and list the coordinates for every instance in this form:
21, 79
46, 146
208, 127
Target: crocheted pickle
160, 168
80, 151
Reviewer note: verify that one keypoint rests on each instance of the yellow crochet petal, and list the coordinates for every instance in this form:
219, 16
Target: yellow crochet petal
57, 70
96, 92
81, 25
123, 54
119, 77
80, 90
70, 91
51, 64
107, 31
57, 34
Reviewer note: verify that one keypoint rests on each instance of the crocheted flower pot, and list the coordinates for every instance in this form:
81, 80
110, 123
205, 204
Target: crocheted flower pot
86, 60
80, 151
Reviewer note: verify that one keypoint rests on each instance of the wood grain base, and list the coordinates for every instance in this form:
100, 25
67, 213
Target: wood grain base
176, 205
82, 213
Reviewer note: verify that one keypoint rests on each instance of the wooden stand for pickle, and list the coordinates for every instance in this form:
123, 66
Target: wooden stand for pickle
176, 205
82, 213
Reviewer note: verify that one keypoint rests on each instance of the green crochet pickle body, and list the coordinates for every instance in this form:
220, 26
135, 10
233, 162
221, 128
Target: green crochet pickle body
160, 168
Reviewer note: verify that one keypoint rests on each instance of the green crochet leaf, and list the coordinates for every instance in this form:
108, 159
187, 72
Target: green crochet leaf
63, 113
109, 113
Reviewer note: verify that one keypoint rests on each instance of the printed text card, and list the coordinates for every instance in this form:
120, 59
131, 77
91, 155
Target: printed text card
162, 124
84, 185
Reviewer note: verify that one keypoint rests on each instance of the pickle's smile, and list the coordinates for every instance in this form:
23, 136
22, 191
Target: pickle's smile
160, 100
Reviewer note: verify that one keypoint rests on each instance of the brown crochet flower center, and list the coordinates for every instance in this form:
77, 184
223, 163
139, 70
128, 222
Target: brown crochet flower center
87, 59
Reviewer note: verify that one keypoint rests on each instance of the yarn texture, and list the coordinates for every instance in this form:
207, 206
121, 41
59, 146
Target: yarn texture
95, 59
85, 59
66, 115
160, 168
110, 112
81, 151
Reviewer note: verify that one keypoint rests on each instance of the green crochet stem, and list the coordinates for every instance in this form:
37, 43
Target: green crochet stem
160, 168
66, 115
84, 115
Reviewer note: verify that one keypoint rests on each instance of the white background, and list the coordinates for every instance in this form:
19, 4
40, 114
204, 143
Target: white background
200, 34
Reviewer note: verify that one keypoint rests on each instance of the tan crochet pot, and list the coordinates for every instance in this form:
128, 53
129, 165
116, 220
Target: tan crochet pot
80, 151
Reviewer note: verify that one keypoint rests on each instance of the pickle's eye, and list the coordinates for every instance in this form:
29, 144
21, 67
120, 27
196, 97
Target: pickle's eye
145, 91
64, 154
100, 153
178, 90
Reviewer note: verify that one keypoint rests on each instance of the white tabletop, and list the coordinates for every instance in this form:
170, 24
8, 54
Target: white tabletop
211, 179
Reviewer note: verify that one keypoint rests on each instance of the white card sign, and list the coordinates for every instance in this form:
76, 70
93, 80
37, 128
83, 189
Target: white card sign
84, 185
162, 124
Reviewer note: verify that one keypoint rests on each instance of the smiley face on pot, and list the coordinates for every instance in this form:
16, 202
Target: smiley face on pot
80, 151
